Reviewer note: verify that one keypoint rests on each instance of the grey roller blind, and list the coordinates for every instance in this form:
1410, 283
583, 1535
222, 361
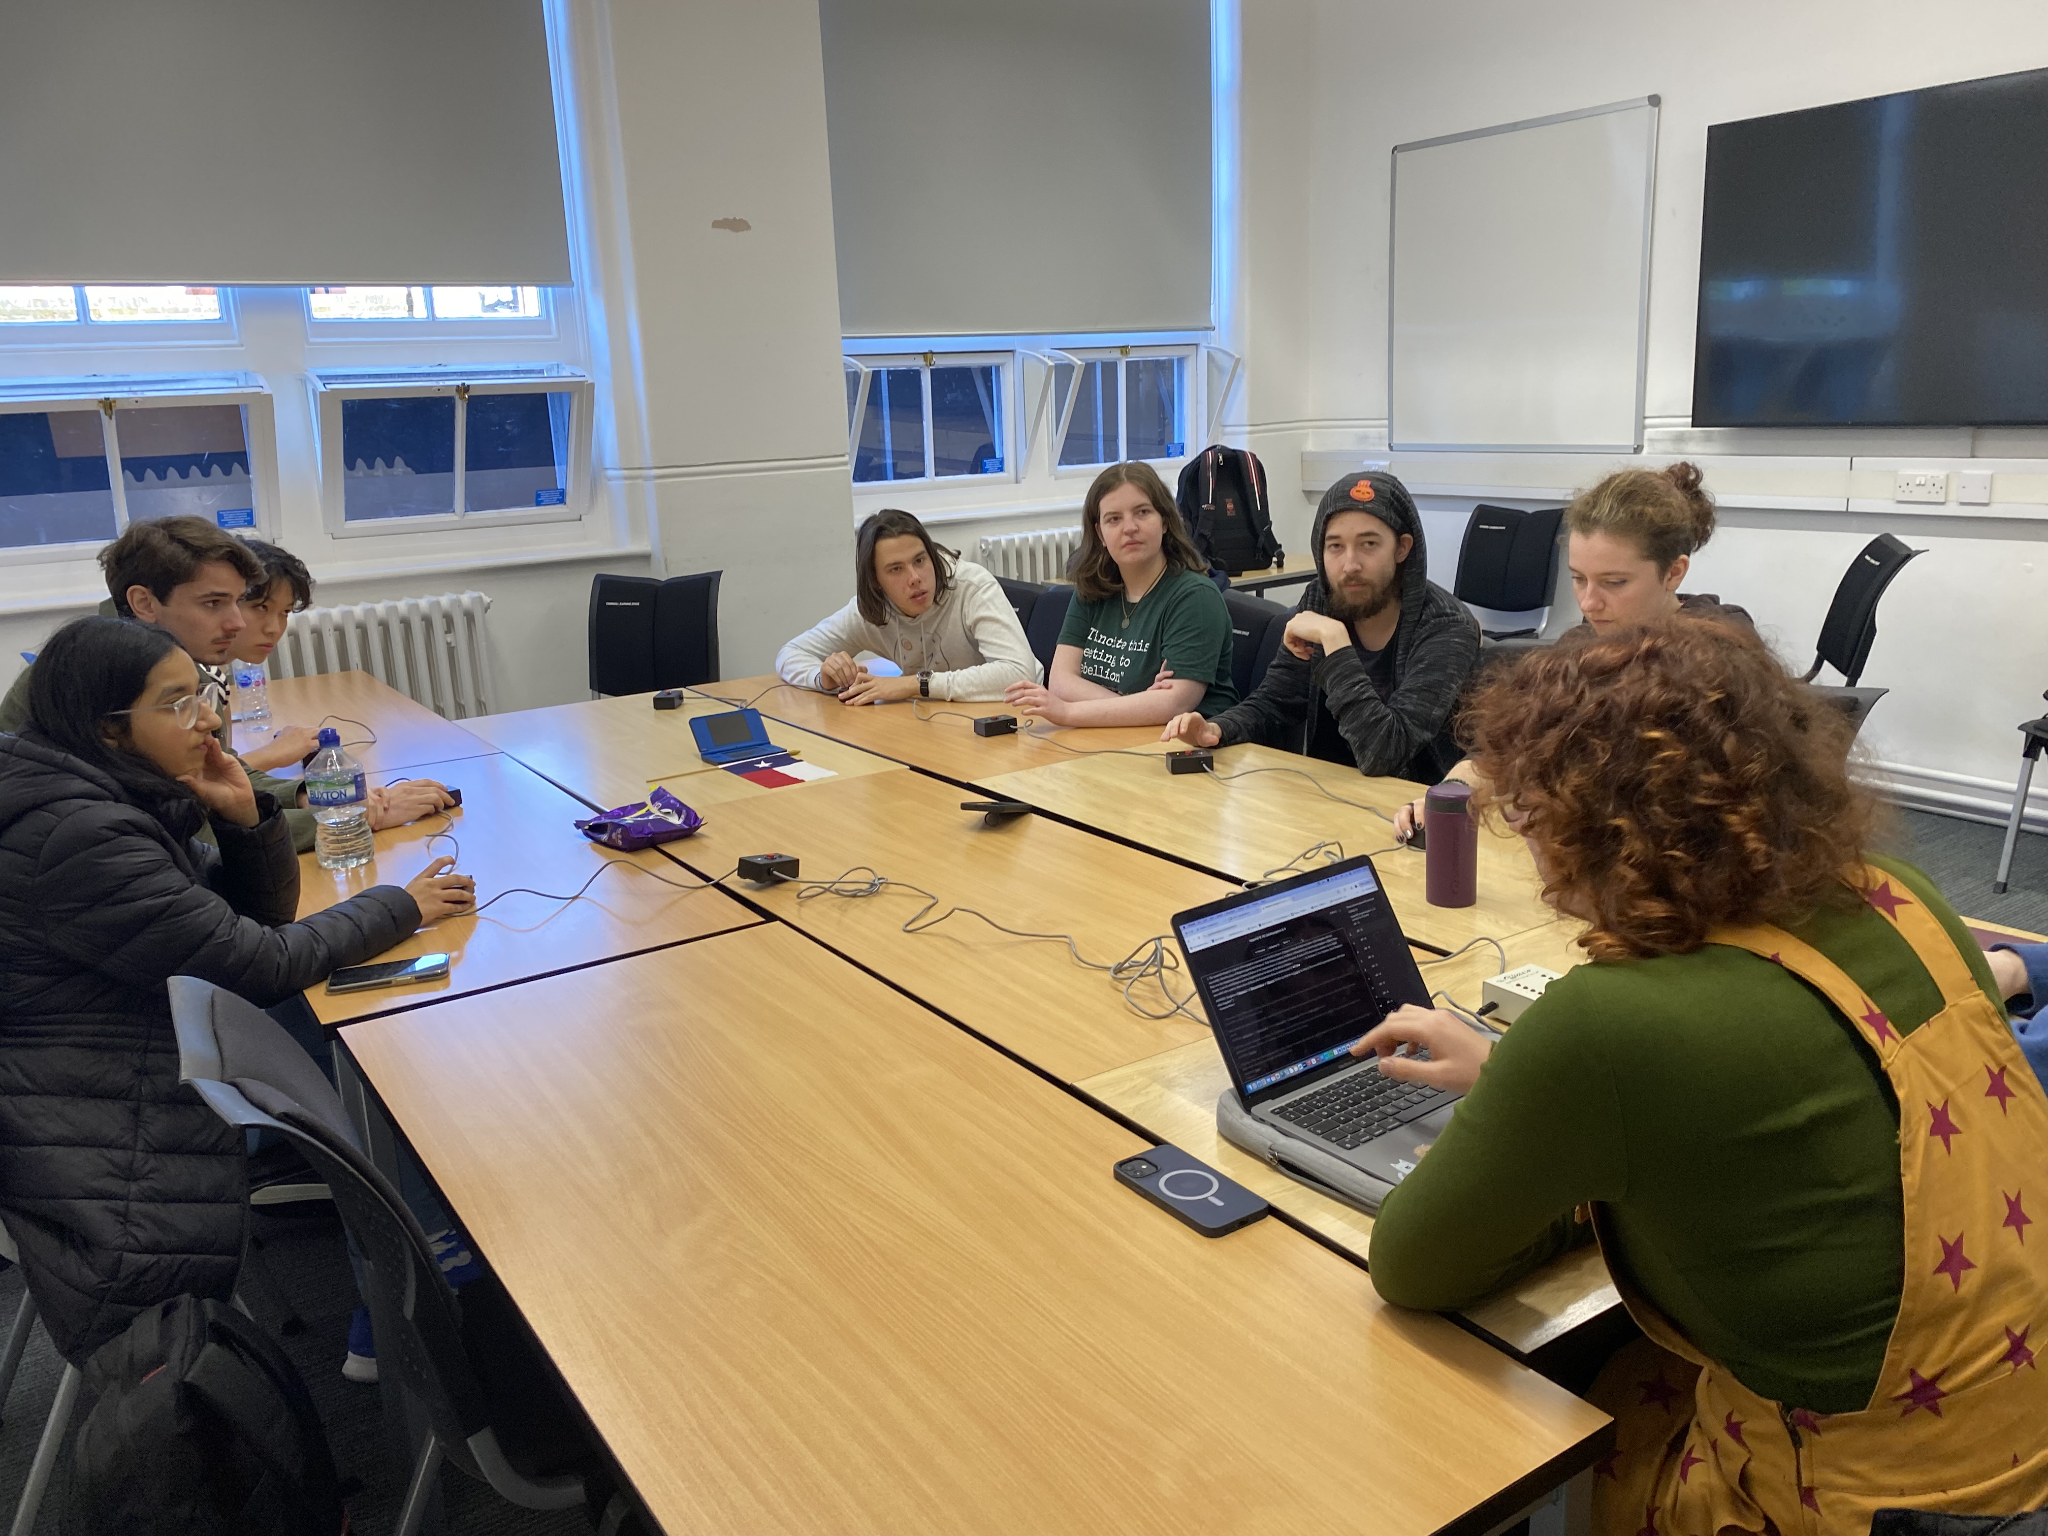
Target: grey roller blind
278, 141
1009, 166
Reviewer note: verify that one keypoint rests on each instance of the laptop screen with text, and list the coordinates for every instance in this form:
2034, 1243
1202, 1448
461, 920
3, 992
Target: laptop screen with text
1293, 975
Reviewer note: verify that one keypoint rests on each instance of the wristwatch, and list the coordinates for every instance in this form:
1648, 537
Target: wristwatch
924, 683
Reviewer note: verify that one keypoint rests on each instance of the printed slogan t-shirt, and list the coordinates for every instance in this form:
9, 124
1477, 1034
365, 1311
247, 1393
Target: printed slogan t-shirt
1181, 624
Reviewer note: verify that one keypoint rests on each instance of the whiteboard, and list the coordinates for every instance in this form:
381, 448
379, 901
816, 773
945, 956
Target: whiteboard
1519, 284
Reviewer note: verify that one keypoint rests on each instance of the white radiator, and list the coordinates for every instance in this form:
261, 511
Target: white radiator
1042, 555
432, 648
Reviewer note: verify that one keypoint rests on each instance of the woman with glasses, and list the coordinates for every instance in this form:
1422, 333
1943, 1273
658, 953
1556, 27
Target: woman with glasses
119, 1187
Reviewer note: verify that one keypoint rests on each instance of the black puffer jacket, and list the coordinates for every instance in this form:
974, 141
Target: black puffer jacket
119, 1187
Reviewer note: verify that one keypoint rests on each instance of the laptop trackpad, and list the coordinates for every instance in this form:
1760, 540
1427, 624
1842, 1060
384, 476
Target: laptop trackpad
1394, 1156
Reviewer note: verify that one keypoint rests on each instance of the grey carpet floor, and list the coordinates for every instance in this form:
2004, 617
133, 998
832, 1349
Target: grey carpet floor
302, 1267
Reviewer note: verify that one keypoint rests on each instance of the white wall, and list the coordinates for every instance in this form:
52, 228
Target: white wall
1332, 85
729, 341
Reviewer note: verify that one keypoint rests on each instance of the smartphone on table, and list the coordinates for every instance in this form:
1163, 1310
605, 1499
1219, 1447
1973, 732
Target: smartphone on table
388, 973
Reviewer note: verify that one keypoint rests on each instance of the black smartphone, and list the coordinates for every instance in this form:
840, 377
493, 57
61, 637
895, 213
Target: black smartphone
1192, 1190
996, 812
387, 973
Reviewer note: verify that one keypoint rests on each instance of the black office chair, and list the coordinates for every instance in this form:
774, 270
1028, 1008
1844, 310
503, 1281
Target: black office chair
1042, 629
686, 630
1850, 628
1507, 562
647, 634
1023, 595
1256, 626
252, 1074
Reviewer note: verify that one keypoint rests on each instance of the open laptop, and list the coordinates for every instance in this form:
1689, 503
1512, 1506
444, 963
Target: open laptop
1291, 975
732, 737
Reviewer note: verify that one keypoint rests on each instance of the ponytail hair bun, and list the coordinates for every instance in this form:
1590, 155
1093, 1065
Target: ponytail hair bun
1665, 513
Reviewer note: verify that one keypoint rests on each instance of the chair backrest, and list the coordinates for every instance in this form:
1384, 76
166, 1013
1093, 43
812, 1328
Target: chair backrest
622, 633
252, 1074
1508, 558
1042, 629
686, 630
1851, 625
1256, 626
1023, 595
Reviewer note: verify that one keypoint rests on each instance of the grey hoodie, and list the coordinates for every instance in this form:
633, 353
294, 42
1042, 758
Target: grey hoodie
1328, 707
970, 638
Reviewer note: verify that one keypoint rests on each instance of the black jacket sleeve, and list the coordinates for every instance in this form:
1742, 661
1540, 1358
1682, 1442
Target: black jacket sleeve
1386, 735
112, 899
1276, 712
258, 873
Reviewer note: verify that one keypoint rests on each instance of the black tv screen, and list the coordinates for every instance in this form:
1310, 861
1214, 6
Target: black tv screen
1879, 263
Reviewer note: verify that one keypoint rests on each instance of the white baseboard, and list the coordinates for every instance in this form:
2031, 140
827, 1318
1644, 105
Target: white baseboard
1958, 794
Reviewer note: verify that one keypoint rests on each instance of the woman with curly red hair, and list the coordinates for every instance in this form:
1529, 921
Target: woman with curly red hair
1786, 1088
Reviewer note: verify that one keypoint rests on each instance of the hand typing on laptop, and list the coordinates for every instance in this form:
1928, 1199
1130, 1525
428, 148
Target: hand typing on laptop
1456, 1051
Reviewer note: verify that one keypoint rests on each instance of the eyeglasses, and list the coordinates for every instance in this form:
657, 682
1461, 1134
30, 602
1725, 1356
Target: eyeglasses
186, 710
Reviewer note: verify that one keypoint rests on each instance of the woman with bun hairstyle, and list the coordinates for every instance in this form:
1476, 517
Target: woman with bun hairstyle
1629, 542
1785, 1087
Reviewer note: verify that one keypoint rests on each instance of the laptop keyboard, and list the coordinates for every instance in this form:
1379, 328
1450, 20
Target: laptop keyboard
1359, 1107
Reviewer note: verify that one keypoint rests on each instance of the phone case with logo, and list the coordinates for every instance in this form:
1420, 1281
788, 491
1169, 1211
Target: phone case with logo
1189, 1188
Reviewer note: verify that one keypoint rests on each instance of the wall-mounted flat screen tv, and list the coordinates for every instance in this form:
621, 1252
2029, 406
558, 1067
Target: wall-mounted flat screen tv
1879, 263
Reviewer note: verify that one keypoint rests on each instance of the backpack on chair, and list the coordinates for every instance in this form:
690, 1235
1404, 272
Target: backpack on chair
1222, 499
203, 1425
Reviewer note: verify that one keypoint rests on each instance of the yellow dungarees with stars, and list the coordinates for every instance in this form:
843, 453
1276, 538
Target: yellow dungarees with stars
1959, 1419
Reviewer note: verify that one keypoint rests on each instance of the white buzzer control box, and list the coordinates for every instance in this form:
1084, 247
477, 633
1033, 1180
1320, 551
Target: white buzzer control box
1512, 991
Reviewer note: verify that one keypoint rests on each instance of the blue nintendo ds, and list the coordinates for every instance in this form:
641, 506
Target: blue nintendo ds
731, 737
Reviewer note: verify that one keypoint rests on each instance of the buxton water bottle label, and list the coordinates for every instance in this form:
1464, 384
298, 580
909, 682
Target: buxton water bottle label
349, 791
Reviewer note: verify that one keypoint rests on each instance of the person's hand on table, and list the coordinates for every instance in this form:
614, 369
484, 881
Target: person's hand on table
291, 744
865, 689
393, 805
1407, 819
222, 787
440, 894
2008, 971
838, 670
1192, 729
1456, 1050
1305, 631
1036, 699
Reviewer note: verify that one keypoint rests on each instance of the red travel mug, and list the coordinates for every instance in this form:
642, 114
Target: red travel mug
1453, 845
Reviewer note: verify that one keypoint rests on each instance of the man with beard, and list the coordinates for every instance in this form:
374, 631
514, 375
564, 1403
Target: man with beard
1374, 656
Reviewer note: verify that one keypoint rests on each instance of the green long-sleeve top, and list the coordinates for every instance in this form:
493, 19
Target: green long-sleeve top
1742, 1135
14, 715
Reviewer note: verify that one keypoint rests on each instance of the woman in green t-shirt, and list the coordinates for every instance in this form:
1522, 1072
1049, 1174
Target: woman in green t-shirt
1147, 636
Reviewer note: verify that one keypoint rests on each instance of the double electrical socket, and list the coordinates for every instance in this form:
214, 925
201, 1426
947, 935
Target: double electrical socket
1973, 486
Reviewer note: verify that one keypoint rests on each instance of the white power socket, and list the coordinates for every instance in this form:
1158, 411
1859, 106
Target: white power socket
1920, 485
1512, 991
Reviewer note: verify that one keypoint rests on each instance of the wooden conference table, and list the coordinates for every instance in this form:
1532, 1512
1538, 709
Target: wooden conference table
811, 1258
1278, 805
401, 733
1026, 996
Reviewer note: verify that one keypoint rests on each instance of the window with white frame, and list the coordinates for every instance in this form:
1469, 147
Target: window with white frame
359, 305
435, 448
928, 416
95, 304
81, 459
1119, 404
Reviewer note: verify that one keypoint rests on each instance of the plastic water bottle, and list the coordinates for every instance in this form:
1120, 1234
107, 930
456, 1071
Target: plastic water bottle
340, 803
252, 694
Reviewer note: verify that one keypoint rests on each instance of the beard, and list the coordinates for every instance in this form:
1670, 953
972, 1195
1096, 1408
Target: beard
1369, 603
